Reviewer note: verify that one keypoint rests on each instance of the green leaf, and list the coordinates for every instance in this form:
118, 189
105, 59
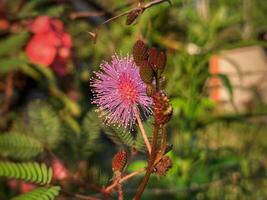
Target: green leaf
30, 8
56, 11
227, 83
139, 143
10, 64
13, 44
26, 171
136, 166
90, 130
41, 193
119, 135
30, 71
43, 123
19, 146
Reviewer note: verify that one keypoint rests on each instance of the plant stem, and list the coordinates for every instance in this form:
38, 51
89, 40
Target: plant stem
163, 140
123, 179
149, 170
139, 7
120, 191
143, 132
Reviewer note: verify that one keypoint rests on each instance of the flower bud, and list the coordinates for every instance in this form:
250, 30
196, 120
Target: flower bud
163, 166
150, 89
162, 108
146, 72
156, 59
119, 161
139, 52
131, 17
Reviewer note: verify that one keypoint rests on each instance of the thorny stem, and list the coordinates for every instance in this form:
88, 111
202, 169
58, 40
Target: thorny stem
120, 191
163, 141
123, 179
152, 159
143, 132
139, 7
154, 152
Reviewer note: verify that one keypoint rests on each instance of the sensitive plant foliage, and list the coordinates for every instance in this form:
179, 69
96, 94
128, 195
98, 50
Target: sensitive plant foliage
27, 171
72, 150
117, 82
42, 193
119, 92
50, 45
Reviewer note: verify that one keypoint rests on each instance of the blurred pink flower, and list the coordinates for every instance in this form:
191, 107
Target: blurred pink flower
40, 25
40, 51
22, 186
59, 170
118, 91
50, 44
26, 187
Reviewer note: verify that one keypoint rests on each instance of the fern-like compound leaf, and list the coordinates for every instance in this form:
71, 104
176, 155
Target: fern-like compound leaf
43, 123
41, 193
119, 135
19, 146
139, 141
26, 171
91, 130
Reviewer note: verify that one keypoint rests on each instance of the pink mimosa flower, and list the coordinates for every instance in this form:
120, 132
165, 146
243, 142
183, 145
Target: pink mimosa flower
50, 45
40, 51
41, 25
26, 187
22, 186
59, 170
119, 91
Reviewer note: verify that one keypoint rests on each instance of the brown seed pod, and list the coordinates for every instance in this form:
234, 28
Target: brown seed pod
119, 161
162, 108
153, 57
131, 17
146, 72
139, 52
156, 59
150, 90
163, 166
161, 61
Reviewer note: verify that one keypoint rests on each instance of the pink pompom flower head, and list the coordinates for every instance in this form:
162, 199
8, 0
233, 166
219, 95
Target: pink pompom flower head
119, 92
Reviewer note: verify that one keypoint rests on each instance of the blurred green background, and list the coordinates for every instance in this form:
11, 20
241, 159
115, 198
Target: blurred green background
215, 154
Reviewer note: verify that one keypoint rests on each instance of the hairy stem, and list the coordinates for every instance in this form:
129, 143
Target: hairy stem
139, 7
120, 191
163, 141
143, 132
149, 170
123, 179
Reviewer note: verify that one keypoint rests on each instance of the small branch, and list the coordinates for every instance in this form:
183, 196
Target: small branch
163, 141
143, 132
123, 179
79, 196
149, 170
139, 7
75, 15
120, 191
